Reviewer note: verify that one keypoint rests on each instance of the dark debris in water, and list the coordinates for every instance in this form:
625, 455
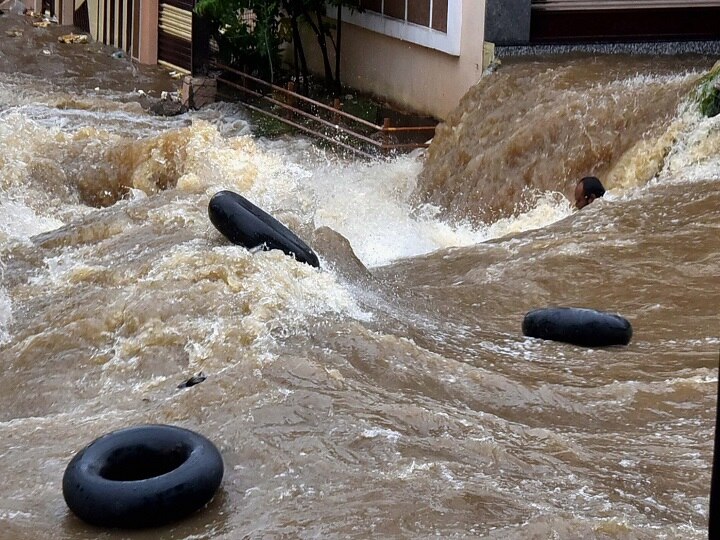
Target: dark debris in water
192, 381
167, 105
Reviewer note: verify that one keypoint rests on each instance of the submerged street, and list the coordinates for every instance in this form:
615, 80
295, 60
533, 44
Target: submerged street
389, 393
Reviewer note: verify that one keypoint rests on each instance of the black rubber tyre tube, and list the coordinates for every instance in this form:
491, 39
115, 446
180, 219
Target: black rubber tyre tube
579, 326
243, 223
143, 476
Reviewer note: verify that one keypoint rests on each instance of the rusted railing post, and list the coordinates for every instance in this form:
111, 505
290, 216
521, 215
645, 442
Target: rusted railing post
385, 135
290, 97
337, 105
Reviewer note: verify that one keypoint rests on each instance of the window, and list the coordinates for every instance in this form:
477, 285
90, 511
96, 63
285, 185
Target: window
431, 23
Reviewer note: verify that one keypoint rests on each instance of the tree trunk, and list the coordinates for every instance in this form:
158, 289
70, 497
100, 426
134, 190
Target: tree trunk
300, 52
291, 8
319, 30
323, 47
338, 42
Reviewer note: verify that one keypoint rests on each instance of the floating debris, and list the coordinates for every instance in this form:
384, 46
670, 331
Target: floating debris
192, 381
169, 104
74, 38
41, 24
14, 33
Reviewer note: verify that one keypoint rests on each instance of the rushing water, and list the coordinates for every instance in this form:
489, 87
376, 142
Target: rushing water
390, 394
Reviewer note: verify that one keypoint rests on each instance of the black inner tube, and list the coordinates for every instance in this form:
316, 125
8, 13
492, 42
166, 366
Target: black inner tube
579, 326
142, 462
243, 223
144, 476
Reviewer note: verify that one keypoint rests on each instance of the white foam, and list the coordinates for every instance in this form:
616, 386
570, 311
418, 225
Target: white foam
21, 222
388, 434
695, 156
58, 269
6, 315
372, 206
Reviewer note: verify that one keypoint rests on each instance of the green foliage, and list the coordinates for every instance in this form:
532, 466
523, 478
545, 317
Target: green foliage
250, 33
708, 93
247, 33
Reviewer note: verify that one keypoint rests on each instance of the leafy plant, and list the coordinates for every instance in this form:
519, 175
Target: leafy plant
247, 33
708, 92
250, 33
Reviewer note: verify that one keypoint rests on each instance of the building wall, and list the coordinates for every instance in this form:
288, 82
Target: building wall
420, 78
508, 22
413, 76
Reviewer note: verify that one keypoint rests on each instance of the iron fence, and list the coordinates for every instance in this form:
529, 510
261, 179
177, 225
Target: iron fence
328, 123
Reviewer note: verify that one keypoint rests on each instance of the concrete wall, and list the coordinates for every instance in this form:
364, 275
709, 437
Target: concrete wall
508, 22
412, 76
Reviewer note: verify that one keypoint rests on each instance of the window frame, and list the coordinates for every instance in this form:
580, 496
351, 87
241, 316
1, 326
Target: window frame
447, 42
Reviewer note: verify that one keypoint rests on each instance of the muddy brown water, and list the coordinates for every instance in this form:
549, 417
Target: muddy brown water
391, 393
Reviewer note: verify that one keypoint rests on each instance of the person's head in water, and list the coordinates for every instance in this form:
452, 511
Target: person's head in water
587, 190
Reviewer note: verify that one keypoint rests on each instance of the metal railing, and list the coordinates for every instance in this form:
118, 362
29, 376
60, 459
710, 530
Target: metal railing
325, 122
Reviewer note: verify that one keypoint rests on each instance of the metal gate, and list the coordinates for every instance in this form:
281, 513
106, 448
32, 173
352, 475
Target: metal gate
175, 21
108, 21
624, 20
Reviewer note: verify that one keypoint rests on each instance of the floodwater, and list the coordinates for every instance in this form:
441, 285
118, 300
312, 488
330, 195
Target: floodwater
389, 394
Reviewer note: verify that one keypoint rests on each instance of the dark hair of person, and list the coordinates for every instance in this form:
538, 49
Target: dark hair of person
592, 186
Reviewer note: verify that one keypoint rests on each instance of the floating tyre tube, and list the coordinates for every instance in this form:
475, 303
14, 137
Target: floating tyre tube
243, 223
579, 326
142, 476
